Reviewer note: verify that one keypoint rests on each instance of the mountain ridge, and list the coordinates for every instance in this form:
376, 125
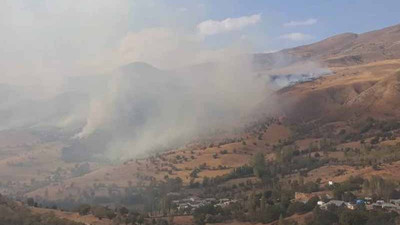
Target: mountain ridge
344, 49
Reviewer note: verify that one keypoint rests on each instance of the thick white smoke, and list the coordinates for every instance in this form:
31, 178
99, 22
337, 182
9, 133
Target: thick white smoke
71, 65
146, 108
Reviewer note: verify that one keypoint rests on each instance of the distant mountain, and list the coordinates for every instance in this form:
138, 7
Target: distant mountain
19, 109
340, 50
138, 67
364, 77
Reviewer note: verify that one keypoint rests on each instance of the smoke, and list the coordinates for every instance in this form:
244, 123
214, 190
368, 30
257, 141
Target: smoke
122, 83
42, 42
302, 71
148, 109
284, 69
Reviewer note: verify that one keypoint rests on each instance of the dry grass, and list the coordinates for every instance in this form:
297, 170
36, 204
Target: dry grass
138, 172
37, 162
87, 219
275, 133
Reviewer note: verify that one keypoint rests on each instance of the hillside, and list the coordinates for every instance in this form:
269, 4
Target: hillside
353, 76
353, 92
335, 120
14, 213
341, 50
368, 88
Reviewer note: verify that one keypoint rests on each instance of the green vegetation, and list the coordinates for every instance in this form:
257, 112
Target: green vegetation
259, 165
263, 190
343, 216
12, 213
380, 188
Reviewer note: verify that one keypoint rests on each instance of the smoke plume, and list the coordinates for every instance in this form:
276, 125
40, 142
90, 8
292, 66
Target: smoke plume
118, 88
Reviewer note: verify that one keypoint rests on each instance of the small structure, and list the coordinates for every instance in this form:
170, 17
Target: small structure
210, 200
189, 205
390, 206
350, 206
174, 194
337, 203
395, 201
368, 200
380, 202
360, 202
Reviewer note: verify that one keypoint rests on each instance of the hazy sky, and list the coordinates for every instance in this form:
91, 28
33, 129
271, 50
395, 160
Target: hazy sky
43, 41
282, 24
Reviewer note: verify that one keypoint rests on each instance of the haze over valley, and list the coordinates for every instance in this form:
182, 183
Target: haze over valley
157, 112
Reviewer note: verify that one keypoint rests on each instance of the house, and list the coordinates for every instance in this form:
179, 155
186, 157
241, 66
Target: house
173, 194
395, 201
376, 206
350, 206
368, 200
390, 206
225, 202
337, 203
385, 206
210, 200
188, 205
360, 202
222, 200
380, 202
183, 206
194, 199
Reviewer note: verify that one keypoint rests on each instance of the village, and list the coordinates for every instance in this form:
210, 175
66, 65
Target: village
367, 202
187, 206
392, 205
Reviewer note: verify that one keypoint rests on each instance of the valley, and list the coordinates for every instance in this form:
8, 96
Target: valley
328, 149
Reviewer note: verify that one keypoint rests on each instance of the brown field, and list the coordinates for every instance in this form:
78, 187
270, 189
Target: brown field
37, 162
363, 82
341, 173
87, 219
300, 219
176, 163
351, 92
12, 138
275, 133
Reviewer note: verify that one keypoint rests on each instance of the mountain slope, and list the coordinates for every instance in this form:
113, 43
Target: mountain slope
341, 50
351, 92
363, 80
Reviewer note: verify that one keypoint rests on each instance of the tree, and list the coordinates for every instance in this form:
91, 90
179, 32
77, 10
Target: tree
262, 201
379, 187
296, 207
123, 210
195, 172
206, 181
323, 217
30, 202
12, 213
258, 164
270, 214
281, 221
311, 203
102, 212
353, 217
252, 202
84, 209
